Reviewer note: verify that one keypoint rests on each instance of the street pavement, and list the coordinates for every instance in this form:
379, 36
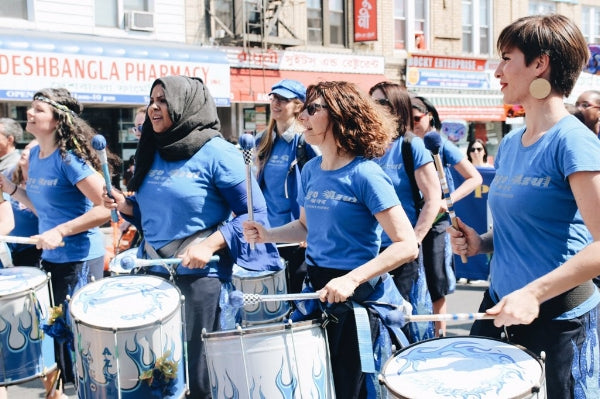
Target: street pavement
465, 299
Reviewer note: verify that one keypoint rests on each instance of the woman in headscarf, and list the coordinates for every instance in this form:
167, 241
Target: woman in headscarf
189, 202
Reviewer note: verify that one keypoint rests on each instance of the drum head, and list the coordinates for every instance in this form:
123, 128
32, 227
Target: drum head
462, 367
125, 302
20, 278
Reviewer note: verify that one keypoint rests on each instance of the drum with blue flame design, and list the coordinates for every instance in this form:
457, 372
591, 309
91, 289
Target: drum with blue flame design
122, 325
272, 361
25, 352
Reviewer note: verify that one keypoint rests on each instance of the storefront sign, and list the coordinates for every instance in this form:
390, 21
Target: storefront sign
95, 73
365, 20
303, 61
448, 73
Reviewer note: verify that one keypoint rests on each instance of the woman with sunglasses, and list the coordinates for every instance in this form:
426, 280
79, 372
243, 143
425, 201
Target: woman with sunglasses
437, 254
544, 200
477, 154
281, 153
344, 196
410, 277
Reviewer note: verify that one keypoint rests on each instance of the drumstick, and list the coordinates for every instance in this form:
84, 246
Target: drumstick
247, 143
238, 298
433, 141
23, 240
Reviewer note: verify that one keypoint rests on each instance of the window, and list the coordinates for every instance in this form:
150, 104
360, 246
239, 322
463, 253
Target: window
410, 21
107, 12
541, 7
590, 23
326, 22
13, 9
476, 26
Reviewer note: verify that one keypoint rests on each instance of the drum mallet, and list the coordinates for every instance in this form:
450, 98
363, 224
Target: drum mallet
433, 142
129, 262
23, 240
239, 299
247, 143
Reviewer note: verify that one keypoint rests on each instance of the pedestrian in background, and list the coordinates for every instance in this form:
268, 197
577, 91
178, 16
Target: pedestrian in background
344, 197
189, 201
281, 154
437, 253
64, 189
477, 154
544, 201
417, 186
11, 132
588, 103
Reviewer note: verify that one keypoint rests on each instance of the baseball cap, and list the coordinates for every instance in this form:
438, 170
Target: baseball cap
288, 88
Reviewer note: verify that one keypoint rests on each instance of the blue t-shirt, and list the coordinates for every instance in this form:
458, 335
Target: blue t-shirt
52, 191
275, 173
537, 226
179, 198
340, 206
26, 224
392, 164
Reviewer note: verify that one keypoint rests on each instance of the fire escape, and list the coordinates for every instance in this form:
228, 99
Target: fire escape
253, 23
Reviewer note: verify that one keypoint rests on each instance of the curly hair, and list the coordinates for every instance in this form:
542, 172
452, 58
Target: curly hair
73, 134
554, 35
360, 126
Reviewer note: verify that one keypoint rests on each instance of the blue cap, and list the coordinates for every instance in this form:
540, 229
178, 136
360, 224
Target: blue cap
288, 88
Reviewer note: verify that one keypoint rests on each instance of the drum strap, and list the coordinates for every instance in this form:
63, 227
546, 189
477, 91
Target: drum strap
569, 300
177, 246
363, 333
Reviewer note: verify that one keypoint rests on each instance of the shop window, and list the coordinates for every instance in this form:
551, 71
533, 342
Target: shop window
326, 22
476, 27
542, 7
13, 9
410, 20
590, 23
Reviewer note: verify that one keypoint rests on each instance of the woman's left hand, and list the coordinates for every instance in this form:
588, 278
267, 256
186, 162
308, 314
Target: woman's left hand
338, 289
196, 256
50, 239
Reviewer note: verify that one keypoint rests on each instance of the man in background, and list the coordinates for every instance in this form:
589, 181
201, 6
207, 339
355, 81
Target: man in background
588, 103
10, 132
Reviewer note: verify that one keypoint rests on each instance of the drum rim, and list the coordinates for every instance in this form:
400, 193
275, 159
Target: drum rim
540, 362
178, 309
261, 329
31, 288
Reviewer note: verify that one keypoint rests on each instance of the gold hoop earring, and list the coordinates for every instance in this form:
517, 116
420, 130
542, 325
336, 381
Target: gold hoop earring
540, 88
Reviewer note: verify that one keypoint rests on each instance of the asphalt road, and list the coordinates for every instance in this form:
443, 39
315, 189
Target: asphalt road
465, 299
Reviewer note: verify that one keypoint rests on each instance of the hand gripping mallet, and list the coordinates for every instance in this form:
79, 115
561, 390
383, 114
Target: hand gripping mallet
247, 143
99, 144
433, 142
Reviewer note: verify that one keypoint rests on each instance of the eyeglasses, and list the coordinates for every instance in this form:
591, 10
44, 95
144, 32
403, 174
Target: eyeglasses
418, 118
382, 101
478, 149
312, 108
586, 105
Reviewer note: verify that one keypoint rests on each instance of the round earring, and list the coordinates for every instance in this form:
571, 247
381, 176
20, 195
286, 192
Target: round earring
540, 88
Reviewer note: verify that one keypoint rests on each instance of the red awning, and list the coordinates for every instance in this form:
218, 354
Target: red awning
254, 85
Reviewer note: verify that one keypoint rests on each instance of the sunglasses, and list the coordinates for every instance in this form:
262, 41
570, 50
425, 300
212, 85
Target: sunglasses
382, 101
312, 108
417, 118
478, 149
138, 128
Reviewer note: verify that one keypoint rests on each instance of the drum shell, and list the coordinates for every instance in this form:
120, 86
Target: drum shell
262, 283
276, 360
464, 367
109, 360
25, 352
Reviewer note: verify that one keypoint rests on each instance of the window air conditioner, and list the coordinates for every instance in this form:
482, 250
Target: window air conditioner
139, 20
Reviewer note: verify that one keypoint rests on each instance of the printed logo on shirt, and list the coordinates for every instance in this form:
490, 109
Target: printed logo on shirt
43, 182
315, 198
279, 160
392, 166
505, 183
